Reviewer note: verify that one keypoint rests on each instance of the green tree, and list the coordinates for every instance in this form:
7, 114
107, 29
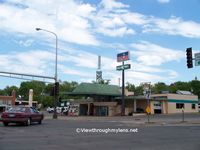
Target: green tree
158, 87
138, 90
185, 86
130, 87
67, 86
8, 90
38, 88
195, 87
103, 81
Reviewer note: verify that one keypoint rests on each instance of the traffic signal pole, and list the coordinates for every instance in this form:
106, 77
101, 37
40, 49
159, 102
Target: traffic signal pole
55, 116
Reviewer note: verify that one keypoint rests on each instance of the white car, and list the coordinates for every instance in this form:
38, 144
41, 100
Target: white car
50, 109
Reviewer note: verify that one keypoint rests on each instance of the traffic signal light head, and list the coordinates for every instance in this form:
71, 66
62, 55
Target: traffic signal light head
57, 88
189, 57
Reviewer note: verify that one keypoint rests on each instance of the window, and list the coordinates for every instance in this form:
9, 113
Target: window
179, 105
193, 106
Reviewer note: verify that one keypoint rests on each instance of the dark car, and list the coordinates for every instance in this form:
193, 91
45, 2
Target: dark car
21, 114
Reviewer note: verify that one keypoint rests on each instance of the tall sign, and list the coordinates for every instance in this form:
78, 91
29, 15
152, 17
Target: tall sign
99, 72
121, 57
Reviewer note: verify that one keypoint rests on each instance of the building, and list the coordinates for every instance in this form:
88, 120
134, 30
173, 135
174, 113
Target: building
96, 99
7, 101
174, 103
12, 101
105, 100
167, 103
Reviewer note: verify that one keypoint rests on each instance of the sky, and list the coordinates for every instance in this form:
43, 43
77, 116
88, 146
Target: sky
155, 32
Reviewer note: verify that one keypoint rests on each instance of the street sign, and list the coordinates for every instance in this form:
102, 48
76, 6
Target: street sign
123, 67
197, 59
123, 56
98, 75
148, 110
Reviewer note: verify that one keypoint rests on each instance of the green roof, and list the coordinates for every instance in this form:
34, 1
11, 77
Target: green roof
97, 89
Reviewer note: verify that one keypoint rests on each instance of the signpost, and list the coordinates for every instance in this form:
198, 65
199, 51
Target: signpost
121, 57
148, 110
147, 94
197, 59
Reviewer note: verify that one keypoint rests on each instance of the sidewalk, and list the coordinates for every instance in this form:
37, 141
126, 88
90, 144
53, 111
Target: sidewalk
141, 119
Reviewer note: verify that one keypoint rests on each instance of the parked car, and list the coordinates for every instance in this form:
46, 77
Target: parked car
21, 114
4, 107
50, 109
140, 110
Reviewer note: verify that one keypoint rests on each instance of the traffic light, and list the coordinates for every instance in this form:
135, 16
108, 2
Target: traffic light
189, 57
57, 88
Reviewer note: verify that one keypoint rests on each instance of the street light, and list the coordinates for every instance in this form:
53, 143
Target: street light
56, 74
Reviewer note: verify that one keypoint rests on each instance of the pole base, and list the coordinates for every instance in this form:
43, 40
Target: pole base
55, 116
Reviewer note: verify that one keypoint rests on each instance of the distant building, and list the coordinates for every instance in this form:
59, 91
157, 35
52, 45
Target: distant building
8, 100
12, 101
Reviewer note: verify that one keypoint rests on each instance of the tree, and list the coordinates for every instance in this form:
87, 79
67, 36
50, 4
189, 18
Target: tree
158, 87
185, 86
8, 90
138, 90
130, 87
195, 87
37, 86
103, 81
68, 86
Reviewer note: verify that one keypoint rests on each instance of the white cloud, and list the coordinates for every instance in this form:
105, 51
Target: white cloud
135, 18
33, 62
154, 55
163, 1
69, 19
174, 26
119, 32
70, 71
25, 43
110, 5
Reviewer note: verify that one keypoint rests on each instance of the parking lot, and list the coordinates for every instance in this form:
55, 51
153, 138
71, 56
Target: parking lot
76, 133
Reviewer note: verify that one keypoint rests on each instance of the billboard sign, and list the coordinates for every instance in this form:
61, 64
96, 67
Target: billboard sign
123, 56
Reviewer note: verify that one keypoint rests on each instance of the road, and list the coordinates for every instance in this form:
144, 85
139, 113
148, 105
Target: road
61, 134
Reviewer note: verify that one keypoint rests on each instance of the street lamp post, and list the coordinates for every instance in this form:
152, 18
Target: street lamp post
56, 74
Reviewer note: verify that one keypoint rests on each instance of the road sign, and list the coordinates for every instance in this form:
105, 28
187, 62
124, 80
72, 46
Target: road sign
98, 75
197, 59
148, 110
123, 56
123, 67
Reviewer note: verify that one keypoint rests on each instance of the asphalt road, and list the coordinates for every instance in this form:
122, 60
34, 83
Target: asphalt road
62, 135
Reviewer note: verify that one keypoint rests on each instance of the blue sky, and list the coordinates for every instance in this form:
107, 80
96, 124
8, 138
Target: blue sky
156, 32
